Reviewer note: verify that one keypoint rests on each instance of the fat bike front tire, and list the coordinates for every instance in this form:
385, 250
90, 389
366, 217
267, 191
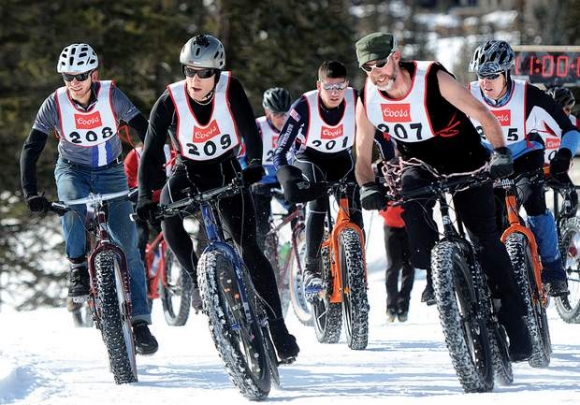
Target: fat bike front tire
465, 330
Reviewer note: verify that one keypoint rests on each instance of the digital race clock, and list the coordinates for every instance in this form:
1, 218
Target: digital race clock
550, 65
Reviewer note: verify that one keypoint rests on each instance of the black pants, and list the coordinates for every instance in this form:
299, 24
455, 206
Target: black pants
534, 200
238, 220
317, 170
399, 256
476, 208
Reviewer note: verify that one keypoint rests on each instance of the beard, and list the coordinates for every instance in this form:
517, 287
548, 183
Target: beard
389, 85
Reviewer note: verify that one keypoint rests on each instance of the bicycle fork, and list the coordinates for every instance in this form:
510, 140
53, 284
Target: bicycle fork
334, 247
515, 226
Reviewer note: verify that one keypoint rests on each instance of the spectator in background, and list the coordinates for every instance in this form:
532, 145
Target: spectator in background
398, 264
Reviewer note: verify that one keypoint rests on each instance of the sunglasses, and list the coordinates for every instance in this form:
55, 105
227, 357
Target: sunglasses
201, 73
381, 63
489, 76
335, 86
81, 77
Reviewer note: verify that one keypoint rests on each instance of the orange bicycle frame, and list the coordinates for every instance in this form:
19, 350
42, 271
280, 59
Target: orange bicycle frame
516, 226
333, 242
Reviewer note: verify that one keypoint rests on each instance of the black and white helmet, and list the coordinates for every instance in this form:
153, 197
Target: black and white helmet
491, 57
203, 51
77, 58
277, 99
563, 96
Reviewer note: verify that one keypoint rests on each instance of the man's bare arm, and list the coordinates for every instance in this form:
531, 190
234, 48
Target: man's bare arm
365, 132
461, 98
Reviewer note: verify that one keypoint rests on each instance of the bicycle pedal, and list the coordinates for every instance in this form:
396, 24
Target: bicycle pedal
80, 299
289, 360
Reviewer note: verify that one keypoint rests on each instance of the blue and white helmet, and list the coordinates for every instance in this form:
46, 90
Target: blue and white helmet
491, 57
77, 58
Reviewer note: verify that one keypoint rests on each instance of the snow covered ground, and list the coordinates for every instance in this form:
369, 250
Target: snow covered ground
45, 360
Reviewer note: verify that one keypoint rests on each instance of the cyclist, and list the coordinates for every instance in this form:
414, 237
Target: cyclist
207, 112
276, 103
564, 97
519, 107
425, 111
85, 114
325, 117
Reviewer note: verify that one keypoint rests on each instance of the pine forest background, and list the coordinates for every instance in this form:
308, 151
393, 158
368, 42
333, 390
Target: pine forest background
268, 43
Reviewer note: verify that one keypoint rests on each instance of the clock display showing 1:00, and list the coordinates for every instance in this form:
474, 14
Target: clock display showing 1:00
547, 66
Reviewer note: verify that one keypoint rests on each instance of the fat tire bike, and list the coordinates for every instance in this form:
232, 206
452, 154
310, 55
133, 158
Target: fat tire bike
287, 258
109, 296
343, 299
237, 316
476, 341
568, 227
523, 251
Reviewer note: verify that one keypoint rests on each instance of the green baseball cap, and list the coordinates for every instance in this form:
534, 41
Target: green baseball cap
377, 45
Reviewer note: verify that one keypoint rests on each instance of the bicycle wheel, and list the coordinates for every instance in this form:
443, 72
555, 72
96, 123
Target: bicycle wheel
175, 291
300, 306
115, 319
355, 304
536, 319
568, 306
465, 330
502, 365
234, 326
271, 247
327, 316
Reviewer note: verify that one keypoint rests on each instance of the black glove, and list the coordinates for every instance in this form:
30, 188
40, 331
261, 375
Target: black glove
560, 163
502, 163
146, 209
37, 203
253, 173
298, 189
372, 197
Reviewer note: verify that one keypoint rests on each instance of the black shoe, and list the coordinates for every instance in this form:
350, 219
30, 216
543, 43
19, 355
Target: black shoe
196, 302
391, 315
145, 342
79, 283
520, 348
557, 288
285, 343
428, 295
402, 316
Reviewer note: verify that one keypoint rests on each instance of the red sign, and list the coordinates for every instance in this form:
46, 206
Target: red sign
331, 133
396, 112
503, 116
88, 121
201, 135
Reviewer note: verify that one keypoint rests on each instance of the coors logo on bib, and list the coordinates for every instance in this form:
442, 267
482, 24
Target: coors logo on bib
396, 112
503, 116
88, 121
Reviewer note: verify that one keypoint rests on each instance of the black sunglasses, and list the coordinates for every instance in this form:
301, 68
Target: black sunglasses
201, 73
378, 65
490, 76
81, 77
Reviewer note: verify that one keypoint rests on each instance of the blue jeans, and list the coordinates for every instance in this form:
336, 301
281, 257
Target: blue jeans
75, 181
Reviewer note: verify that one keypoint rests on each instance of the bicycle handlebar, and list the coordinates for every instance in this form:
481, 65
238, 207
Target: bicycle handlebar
91, 199
235, 187
445, 185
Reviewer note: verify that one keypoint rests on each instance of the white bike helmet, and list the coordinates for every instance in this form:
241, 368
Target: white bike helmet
203, 51
77, 58
491, 57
